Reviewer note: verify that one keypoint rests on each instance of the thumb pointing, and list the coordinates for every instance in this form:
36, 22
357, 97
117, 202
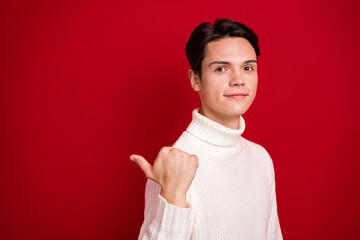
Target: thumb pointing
143, 164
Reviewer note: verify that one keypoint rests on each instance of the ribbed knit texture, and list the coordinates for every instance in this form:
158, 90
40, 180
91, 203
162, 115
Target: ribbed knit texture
232, 195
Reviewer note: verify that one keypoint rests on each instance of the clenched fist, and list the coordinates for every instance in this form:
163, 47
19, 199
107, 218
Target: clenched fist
174, 170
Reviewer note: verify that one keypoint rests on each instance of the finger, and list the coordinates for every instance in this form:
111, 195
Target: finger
143, 164
195, 158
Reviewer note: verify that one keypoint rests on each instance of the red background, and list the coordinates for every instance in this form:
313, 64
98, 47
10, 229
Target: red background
84, 84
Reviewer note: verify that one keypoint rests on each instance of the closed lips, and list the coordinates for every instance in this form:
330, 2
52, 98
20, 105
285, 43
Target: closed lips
236, 94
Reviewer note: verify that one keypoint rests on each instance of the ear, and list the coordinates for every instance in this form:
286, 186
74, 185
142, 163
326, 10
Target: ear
194, 80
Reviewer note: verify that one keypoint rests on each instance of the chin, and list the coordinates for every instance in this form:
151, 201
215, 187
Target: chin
238, 111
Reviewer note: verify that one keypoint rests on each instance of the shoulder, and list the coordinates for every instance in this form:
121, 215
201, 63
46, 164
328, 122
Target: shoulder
187, 143
259, 154
257, 150
253, 146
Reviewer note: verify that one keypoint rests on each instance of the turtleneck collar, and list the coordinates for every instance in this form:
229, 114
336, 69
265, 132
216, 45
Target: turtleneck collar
213, 132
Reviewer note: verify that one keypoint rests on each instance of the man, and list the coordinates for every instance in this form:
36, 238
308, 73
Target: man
213, 183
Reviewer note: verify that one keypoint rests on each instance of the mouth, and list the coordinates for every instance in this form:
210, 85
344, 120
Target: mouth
236, 95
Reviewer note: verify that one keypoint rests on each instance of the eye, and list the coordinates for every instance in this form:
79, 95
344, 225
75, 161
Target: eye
220, 69
248, 68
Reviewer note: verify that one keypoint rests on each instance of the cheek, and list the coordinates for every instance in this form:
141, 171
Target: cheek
253, 84
207, 85
214, 84
213, 91
255, 87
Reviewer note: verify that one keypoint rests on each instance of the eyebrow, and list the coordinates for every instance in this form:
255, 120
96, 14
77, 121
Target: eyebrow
250, 61
228, 63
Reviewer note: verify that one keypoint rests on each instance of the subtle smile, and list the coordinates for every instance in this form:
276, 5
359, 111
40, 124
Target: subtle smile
236, 95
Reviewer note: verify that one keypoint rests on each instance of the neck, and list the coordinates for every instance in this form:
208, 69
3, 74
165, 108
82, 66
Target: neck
213, 132
232, 122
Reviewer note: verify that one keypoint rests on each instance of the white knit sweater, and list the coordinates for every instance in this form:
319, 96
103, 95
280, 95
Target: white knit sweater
231, 197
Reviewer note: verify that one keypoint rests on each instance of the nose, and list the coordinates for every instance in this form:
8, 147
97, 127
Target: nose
237, 79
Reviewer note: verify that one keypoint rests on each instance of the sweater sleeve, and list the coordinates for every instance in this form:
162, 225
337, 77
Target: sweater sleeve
273, 229
164, 220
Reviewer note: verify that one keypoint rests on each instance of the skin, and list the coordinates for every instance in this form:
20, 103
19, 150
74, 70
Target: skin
226, 88
229, 80
173, 170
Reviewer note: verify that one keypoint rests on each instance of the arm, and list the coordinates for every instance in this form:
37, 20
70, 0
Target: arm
163, 220
273, 229
167, 214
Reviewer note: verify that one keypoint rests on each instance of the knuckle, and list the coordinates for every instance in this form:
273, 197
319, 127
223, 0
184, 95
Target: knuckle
183, 154
174, 150
195, 159
164, 150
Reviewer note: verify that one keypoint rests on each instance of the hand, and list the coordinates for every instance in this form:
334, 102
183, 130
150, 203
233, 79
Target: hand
174, 170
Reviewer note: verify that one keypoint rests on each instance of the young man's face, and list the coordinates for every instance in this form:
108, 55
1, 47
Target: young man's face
229, 79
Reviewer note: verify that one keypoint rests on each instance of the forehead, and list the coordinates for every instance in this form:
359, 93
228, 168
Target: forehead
230, 48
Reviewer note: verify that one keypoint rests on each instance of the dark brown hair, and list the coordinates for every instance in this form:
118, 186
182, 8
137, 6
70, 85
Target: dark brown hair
207, 32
